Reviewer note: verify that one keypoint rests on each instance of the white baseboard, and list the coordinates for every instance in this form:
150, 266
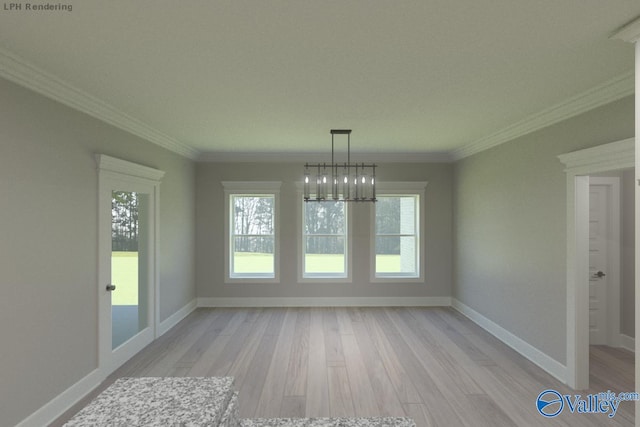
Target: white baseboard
326, 302
536, 356
627, 342
176, 317
65, 400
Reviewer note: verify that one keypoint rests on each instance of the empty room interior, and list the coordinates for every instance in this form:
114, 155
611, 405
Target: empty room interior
385, 213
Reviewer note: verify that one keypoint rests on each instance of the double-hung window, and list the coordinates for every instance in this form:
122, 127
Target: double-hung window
252, 231
325, 245
398, 224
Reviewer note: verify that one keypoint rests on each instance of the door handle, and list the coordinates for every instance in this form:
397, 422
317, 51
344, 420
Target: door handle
111, 287
599, 275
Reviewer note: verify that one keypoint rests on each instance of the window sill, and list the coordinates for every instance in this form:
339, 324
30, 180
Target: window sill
397, 279
249, 279
325, 279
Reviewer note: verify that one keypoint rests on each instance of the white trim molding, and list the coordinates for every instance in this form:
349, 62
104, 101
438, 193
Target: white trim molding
270, 157
536, 356
251, 188
117, 174
18, 70
176, 317
112, 164
64, 401
628, 343
609, 91
401, 188
612, 156
607, 157
629, 33
325, 302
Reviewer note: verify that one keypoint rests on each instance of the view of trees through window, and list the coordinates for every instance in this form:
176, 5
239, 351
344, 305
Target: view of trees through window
124, 223
324, 237
125, 244
253, 234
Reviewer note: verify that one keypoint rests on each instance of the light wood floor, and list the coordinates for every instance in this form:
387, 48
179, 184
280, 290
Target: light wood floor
431, 364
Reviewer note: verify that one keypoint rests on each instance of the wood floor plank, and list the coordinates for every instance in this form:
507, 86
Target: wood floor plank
402, 382
194, 353
257, 372
270, 403
340, 400
205, 365
419, 412
244, 359
293, 407
296, 384
344, 321
384, 392
163, 366
449, 373
317, 383
221, 366
431, 394
332, 341
364, 399
431, 364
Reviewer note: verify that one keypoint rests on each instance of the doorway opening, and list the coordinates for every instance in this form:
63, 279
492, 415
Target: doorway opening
128, 206
580, 165
612, 283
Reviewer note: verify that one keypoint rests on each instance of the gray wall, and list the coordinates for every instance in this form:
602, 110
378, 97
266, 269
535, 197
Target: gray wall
210, 231
48, 243
510, 225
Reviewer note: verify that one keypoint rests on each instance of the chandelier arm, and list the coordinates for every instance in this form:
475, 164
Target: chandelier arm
359, 189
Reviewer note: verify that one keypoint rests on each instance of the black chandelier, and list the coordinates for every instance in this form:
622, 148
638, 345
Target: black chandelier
347, 182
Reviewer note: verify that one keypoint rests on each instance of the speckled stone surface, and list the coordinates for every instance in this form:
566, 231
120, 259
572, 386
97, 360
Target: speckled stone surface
155, 402
328, 422
230, 417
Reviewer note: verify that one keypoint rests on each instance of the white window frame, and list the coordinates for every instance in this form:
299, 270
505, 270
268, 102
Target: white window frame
322, 277
251, 188
414, 188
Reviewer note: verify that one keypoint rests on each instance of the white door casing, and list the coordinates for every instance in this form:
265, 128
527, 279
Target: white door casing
119, 175
579, 164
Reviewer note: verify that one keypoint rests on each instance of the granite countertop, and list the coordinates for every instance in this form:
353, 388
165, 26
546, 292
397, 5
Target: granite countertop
184, 401
328, 422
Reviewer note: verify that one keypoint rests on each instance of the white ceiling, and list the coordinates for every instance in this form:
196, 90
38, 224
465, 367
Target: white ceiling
429, 77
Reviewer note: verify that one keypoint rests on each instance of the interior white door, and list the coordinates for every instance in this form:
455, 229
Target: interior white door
127, 220
598, 263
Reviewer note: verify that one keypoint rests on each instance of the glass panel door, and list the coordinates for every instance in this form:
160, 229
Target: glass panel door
129, 265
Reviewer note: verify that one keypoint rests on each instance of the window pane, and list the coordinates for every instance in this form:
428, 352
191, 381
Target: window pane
397, 251
324, 218
324, 255
387, 215
253, 214
396, 215
253, 255
395, 254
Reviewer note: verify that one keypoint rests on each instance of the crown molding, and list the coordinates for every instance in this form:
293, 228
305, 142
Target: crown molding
113, 164
231, 157
629, 33
609, 91
602, 158
18, 70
